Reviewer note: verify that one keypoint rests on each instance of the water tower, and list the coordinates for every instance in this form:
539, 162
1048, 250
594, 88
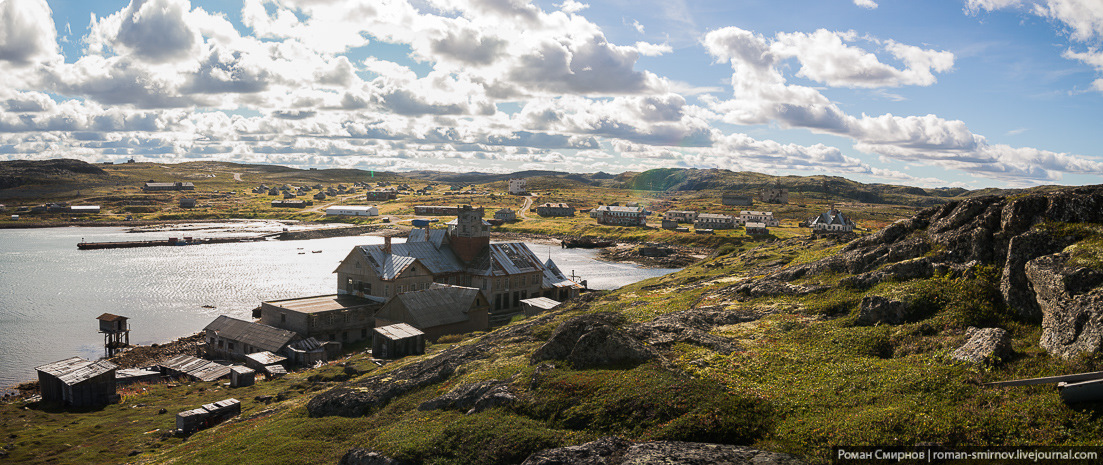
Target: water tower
116, 332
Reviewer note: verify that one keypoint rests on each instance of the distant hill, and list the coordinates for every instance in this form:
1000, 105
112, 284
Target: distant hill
16, 173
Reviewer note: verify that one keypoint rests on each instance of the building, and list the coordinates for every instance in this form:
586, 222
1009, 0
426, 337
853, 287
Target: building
670, 224
320, 196
774, 194
518, 186
426, 210
84, 209
397, 341
337, 317
757, 229
380, 196
831, 222
554, 209
620, 216
288, 204
193, 367
736, 200
168, 186
538, 305
352, 210
505, 214
680, 216
751, 216
187, 203
462, 255
77, 382
714, 221
440, 310
116, 332
233, 339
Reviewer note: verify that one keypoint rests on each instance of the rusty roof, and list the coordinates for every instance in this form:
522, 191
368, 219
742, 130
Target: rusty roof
75, 370
398, 331
203, 370
110, 317
257, 335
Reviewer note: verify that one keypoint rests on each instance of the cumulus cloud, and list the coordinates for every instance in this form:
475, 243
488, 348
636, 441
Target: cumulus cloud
27, 32
867, 4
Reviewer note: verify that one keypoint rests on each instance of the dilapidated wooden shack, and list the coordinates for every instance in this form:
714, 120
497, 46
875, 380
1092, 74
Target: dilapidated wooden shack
242, 376
77, 382
397, 341
193, 367
538, 305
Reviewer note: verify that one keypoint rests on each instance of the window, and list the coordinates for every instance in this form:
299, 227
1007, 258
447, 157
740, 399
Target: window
363, 333
283, 318
230, 345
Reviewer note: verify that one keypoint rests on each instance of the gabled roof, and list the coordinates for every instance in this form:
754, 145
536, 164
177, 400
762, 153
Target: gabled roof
203, 370
306, 345
505, 258
713, 216
110, 317
398, 331
266, 358
402, 256
441, 304
262, 337
553, 277
435, 236
617, 208
831, 217
75, 369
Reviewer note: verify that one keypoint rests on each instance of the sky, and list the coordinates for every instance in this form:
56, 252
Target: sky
938, 93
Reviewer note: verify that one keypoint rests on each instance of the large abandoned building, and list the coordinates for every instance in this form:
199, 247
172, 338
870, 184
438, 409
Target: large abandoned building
462, 255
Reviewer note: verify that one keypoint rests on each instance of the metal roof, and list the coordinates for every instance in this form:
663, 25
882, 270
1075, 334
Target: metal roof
555, 205
441, 304
242, 370
756, 225
255, 334
306, 345
322, 303
265, 358
553, 277
109, 317
388, 266
541, 302
203, 370
756, 213
436, 236
618, 208
125, 373
505, 258
714, 216
75, 370
831, 217
398, 331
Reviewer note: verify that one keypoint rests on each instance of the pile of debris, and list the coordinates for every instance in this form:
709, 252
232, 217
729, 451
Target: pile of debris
142, 356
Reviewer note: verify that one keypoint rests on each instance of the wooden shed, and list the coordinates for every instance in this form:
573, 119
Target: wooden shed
78, 382
397, 341
242, 376
538, 305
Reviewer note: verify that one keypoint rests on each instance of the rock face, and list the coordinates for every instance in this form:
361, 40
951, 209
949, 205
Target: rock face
617, 451
360, 456
473, 398
876, 309
1071, 302
983, 345
689, 326
593, 341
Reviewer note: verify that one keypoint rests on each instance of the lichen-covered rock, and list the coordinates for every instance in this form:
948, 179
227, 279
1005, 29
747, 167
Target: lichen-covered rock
591, 341
915, 268
1071, 302
769, 287
499, 396
617, 451
358, 456
462, 397
983, 345
876, 309
1014, 285
691, 327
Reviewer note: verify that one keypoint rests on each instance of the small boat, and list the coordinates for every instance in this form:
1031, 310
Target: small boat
315, 251
208, 306
302, 253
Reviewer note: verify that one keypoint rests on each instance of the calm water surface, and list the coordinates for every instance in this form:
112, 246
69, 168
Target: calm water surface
51, 293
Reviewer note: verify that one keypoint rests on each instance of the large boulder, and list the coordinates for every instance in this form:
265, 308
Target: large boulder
880, 310
617, 451
1071, 302
983, 345
592, 341
472, 398
690, 327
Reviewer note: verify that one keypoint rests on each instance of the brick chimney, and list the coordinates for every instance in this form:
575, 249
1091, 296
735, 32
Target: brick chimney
387, 245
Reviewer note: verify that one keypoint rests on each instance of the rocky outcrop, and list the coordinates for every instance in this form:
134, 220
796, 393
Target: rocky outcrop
879, 310
901, 271
1071, 302
618, 451
360, 456
473, 398
593, 341
690, 327
772, 288
367, 394
984, 345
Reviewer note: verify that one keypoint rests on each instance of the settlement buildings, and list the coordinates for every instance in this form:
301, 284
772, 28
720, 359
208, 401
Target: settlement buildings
774, 194
442, 309
751, 216
620, 216
680, 216
517, 186
831, 222
352, 210
555, 209
714, 221
505, 214
78, 382
168, 186
336, 317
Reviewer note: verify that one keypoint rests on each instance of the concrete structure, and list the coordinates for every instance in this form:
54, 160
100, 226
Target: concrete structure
620, 216
462, 255
336, 317
233, 339
288, 204
84, 209
518, 186
736, 200
713, 221
242, 376
757, 229
77, 382
168, 186
380, 196
538, 305
397, 341
352, 210
774, 194
426, 210
554, 209
505, 214
670, 224
440, 310
751, 216
187, 203
680, 216
831, 222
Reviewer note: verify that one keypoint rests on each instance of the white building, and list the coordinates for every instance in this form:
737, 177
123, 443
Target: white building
831, 221
714, 221
681, 216
751, 216
352, 210
518, 186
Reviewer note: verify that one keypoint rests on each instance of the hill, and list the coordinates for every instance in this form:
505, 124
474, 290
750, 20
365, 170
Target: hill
790, 346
